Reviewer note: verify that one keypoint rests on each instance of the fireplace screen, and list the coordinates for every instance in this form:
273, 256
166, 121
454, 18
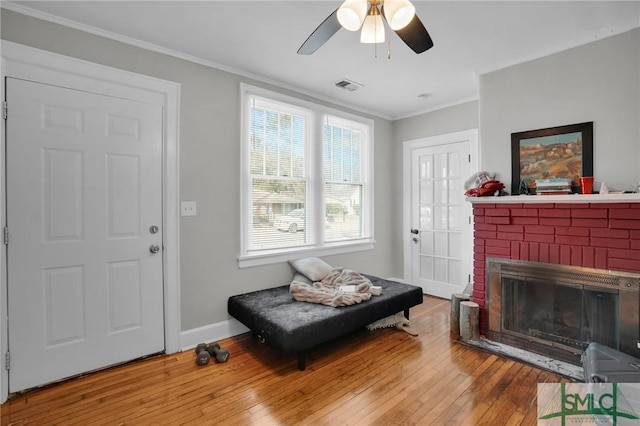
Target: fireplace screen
557, 310
563, 314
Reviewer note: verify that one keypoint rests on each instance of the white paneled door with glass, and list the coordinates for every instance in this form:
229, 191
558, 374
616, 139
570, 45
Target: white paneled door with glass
440, 229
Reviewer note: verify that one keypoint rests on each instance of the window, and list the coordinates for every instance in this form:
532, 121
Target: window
306, 179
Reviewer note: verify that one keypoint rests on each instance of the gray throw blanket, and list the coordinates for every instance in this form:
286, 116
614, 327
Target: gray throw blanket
327, 291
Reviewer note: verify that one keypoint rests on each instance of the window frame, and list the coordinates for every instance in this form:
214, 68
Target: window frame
315, 205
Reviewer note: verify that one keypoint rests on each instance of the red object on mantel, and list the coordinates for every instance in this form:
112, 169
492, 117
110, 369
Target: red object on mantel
586, 185
594, 235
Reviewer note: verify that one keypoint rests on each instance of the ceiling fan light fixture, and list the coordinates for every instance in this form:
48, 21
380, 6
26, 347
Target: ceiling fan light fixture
398, 13
352, 13
373, 27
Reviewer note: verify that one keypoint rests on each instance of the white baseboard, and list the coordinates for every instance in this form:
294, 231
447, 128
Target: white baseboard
400, 280
211, 333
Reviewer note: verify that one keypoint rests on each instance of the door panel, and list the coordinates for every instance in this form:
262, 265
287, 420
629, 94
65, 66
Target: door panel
440, 257
84, 185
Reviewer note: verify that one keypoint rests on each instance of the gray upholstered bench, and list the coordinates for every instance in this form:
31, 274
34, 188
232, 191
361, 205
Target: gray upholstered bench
295, 327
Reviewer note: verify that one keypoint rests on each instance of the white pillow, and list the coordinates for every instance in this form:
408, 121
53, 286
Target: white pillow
312, 267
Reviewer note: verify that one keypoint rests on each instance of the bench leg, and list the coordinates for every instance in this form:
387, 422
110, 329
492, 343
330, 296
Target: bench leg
406, 313
302, 357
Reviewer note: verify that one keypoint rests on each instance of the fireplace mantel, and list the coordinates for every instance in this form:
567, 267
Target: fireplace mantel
571, 198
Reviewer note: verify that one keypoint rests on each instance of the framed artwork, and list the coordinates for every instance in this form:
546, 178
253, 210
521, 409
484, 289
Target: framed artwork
556, 152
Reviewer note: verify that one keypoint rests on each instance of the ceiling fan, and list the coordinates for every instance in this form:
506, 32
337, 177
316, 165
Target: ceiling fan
400, 16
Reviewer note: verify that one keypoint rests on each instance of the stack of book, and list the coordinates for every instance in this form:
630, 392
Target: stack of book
553, 186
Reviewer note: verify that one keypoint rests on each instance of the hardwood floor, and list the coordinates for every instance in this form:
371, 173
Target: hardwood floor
384, 377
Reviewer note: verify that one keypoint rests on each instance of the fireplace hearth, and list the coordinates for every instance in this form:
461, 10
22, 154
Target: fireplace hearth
557, 310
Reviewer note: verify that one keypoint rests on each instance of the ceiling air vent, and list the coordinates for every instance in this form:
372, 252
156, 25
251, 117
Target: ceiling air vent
347, 84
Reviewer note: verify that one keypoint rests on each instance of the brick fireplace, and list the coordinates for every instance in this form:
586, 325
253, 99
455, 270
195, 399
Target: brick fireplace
593, 231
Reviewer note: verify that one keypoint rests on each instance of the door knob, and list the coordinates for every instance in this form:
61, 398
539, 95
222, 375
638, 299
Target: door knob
154, 248
415, 240
414, 231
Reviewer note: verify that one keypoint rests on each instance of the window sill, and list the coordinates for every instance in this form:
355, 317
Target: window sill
249, 260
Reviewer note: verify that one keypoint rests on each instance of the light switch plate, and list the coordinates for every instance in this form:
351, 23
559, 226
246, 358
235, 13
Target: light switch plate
188, 208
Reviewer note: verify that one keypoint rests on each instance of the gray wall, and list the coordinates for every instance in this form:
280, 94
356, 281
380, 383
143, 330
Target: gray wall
209, 163
598, 82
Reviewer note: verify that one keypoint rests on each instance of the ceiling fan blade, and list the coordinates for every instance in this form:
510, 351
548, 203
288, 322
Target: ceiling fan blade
415, 35
321, 35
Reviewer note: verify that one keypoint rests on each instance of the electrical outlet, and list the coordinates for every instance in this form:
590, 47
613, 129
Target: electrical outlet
188, 208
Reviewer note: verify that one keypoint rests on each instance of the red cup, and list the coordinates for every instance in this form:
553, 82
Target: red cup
586, 185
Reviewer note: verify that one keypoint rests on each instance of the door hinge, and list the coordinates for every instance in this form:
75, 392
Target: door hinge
6, 235
5, 110
469, 157
7, 361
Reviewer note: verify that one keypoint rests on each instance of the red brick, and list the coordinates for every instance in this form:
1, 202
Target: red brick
489, 235
610, 242
572, 240
497, 219
540, 206
524, 251
624, 265
601, 258
479, 241
511, 236
624, 224
477, 210
624, 214
565, 255
635, 235
555, 221
572, 206
537, 229
576, 256
555, 212
544, 253
595, 213
498, 243
634, 245
515, 250
590, 223
588, 257
610, 233
578, 232
554, 253
478, 219
478, 264
534, 252
611, 205
540, 238
625, 254
524, 212
524, 220
497, 212
498, 251
479, 256
485, 227
510, 228
478, 249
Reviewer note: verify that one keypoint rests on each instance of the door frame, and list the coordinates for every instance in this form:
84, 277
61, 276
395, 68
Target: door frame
33, 64
408, 147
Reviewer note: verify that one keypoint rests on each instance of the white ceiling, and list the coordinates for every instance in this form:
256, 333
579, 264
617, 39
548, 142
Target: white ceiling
260, 39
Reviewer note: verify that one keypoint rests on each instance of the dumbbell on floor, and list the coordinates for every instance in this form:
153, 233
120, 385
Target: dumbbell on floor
221, 355
202, 354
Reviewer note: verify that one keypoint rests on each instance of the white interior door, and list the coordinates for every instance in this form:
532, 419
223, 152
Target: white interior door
84, 207
440, 234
